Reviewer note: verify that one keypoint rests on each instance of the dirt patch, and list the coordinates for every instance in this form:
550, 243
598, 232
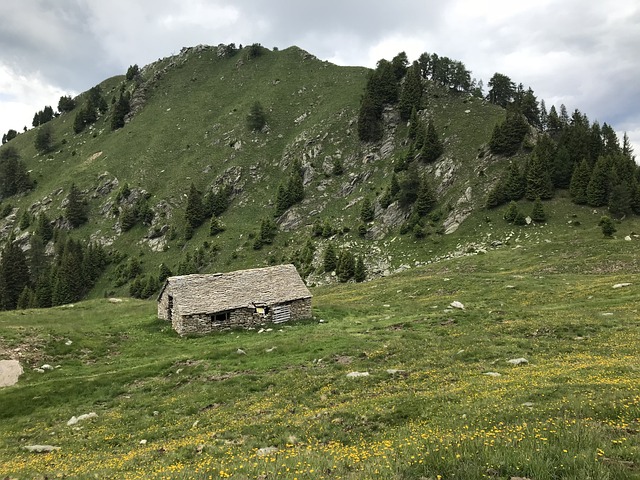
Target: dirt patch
10, 370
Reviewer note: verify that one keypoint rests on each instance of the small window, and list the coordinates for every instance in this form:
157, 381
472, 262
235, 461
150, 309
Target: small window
262, 311
220, 317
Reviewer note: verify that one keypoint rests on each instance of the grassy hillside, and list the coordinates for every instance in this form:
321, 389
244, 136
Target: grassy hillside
191, 127
170, 407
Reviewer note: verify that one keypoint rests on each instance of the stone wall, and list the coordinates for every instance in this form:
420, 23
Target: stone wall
240, 318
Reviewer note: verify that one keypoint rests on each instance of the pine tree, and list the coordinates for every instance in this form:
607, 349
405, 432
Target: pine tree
414, 125
497, 195
26, 298
562, 168
538, 214
598, 187
164, 273
411, 94
360, 271
120, 111
370, 128
512, 212
44, 139
579, 182
330, 259
367, 211
194, 213
346, 265
14, 274
516, 183
538, 180
620, 200
69, 282
76, 209
433, 147
425, 200
608, 228
256, 119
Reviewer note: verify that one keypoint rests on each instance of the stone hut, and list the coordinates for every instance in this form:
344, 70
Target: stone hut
198, 304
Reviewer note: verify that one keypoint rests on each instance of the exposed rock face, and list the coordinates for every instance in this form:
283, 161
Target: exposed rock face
459, 214
105, 185
390, 218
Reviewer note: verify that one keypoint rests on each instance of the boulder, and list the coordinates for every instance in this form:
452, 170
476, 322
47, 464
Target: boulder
518, 361
41, 448
357, 374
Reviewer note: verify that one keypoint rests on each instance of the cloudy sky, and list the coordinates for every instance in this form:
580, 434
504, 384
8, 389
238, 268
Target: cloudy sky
583, 53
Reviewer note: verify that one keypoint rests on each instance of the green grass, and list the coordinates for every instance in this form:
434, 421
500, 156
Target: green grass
573, 412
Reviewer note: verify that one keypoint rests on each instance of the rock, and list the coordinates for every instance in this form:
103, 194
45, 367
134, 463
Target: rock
241, 352
527, 404
357, 374
393, 371
519, 478
457, 304
39, 370
269, 350
115, 300
621, 285
143, 441
492, 374
607, 314
627, 238
46, 366
41, 448
518, 361
68, 342
264, 451
528, 220
73, 420
10, 371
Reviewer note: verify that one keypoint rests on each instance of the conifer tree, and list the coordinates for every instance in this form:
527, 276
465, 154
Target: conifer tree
367, 211
433, 147
411, 94
69, 282
256, 119
76, 209
598, 187
14, 177
414, 125
329, 259
194, 213
538, 180
608, 228
512, 212
579, 182
562, 168
425, 200
164, 273
620, 200
515, 184
346, 265
14, 274
538, 214
44, 139
120, 111
497, 195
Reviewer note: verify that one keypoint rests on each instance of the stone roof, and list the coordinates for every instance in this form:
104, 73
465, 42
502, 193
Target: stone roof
218, 292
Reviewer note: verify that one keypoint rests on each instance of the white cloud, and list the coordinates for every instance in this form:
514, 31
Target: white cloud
22, 97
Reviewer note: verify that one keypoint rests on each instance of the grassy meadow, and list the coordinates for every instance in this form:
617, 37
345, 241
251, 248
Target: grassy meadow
441, 400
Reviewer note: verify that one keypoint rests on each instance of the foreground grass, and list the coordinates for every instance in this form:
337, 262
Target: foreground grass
172, 407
